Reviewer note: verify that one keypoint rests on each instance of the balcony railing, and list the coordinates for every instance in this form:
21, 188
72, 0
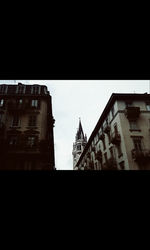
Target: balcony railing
93, 149
88, 155
91, 165
101, 136
86, 168
132, 112
98, 156
106, 128
16, 108
22, 145
141, 155
19, 147
111, 164
115, 138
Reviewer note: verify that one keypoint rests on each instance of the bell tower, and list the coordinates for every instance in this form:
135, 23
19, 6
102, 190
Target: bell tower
79, 145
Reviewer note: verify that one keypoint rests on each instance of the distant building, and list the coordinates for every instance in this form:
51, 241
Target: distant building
79, 145
26, 128
121, 138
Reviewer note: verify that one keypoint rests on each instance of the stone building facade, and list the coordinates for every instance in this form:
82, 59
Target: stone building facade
79, 145
26, 128
121, 138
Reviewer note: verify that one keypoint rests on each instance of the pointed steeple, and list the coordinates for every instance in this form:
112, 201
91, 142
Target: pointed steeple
80, 134
79, 145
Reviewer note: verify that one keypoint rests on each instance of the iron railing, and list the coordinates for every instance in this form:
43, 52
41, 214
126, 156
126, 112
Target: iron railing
115, 138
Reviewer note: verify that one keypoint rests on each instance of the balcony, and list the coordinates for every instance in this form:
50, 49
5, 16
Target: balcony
132, 112
88, 155
106, 128
21, 145
86, 168
93, 149
115, 138
111, 164
14, 108
141, 156
21, 148
102, 136
82, 167
98, 156
31, 148
91, 165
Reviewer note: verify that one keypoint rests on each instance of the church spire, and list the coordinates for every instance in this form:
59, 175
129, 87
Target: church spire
80, 134
78, 146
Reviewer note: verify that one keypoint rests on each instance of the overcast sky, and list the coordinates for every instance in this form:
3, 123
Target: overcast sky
86, 99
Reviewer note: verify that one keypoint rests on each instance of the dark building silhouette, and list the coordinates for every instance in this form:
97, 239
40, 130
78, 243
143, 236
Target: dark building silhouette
26, 128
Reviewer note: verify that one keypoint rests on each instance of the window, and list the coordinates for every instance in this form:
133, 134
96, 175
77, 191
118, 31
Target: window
104, 145
35, 90
32, 121
78, 147
95, 139
109, 137
111, 152
15, 121
20, 101
20, 89
133, 125
13, 140
31, 141
34, 103
129, 104
137, 143
148, 106
2, 89
115, 129
105, 155
119, 150
45, 90
107, 121
1, 102
112, 111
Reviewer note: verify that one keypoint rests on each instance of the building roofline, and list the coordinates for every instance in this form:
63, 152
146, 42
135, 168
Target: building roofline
19, 83
114, 97
24, 85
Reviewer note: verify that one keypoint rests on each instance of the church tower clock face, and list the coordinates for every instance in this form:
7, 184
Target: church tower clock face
79, 144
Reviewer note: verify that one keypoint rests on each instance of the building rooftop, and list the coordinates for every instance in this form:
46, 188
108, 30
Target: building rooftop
20, 88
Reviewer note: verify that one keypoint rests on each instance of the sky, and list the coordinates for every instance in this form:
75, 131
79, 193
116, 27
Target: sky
86, 99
